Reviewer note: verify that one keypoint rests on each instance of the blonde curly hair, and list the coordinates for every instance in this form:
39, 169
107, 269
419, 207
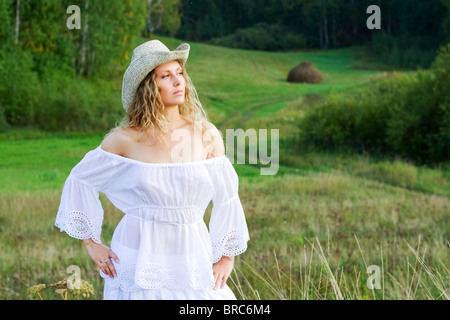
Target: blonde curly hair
146, 112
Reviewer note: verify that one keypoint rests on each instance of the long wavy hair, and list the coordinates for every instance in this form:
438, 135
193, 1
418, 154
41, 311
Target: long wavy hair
146, 112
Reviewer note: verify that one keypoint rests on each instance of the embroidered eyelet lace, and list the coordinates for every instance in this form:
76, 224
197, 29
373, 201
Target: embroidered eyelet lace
233, 244
152, 276
79, 226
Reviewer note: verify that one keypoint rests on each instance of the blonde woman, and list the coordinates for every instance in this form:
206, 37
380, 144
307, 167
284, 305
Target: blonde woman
161, 167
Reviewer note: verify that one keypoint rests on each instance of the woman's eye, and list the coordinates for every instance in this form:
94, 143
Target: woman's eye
165, 76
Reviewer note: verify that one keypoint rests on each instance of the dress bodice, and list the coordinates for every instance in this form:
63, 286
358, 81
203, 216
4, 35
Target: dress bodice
162, 239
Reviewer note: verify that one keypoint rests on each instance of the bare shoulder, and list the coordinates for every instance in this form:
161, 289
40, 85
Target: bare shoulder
119, 140
217, 140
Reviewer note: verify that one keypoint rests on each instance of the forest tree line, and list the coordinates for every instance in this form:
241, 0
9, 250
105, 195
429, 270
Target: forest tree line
410, 35
40, 56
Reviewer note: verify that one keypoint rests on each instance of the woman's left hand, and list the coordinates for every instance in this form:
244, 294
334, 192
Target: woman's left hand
222, 270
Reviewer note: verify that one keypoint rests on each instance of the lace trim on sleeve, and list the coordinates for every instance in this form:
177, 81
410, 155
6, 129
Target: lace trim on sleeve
78, 225
232, 244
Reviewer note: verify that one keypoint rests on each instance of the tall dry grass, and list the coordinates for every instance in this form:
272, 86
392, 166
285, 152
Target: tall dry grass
313, 236
418, 281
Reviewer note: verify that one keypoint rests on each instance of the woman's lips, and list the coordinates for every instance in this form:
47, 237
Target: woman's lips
179, 92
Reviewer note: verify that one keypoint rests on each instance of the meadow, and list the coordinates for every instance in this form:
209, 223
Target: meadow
315, 227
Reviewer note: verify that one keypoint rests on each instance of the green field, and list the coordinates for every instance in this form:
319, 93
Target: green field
315, 227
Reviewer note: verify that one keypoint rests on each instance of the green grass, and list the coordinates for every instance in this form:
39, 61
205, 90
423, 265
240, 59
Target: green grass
39, 164
315, 226
235, 84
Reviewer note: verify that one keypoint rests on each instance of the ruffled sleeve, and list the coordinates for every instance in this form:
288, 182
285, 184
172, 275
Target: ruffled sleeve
227, 225
80, 212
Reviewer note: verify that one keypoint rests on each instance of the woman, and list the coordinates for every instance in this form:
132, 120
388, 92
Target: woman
161, 167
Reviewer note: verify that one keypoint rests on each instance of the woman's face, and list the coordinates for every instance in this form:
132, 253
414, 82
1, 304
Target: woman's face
171, 83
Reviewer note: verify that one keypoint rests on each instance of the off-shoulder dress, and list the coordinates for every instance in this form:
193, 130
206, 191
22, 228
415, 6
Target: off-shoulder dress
165, 248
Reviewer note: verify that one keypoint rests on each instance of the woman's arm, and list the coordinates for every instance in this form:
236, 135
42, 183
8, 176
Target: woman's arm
222, 270
101, 255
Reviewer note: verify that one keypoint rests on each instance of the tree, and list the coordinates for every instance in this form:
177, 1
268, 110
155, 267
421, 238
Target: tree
446, 20
163, 16
38, 27
154, 17
108, 31
171, 17
6, 25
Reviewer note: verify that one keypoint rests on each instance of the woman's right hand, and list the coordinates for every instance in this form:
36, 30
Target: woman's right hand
101, 255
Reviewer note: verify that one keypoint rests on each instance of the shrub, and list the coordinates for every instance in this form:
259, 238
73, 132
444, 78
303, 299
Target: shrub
55, 101
73, 105
404, 50
262, 36
4, 126
19, 90
407, 116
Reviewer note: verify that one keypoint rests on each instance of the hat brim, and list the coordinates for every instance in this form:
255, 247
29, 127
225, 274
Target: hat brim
142, 66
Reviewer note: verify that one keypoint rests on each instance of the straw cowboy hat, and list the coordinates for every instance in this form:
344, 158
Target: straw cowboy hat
147, 57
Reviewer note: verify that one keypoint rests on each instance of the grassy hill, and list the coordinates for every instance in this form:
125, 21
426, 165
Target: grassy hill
232, 82
315, 227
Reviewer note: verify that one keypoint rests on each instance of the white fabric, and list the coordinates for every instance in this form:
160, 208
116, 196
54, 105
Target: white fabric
163, 244
168, 294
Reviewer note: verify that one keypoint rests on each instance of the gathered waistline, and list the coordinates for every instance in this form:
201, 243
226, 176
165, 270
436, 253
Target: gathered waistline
162, 207
192, 216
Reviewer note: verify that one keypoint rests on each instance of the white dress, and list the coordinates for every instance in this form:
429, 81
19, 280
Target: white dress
164, 246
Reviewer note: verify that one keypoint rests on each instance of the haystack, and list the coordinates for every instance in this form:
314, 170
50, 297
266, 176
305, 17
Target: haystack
305, 72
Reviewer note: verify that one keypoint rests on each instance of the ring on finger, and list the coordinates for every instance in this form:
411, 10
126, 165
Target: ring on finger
106, 261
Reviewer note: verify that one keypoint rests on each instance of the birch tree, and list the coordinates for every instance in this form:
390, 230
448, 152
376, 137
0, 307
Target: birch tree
162, 16
17, 22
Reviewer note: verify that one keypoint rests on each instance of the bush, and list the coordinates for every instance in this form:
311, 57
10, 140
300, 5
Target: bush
19, 89
72, 104
262, 36
54, 101
4, 126
403, 50
407, 116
